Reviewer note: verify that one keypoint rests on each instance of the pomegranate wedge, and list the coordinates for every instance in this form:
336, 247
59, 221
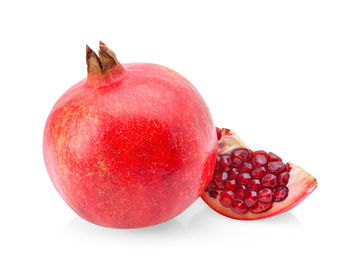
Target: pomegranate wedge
250, 185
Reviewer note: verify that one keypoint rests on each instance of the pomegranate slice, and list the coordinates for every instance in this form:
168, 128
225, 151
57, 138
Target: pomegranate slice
250, 185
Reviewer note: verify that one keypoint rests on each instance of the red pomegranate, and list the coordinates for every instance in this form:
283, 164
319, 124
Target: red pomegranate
132, 145
249, 185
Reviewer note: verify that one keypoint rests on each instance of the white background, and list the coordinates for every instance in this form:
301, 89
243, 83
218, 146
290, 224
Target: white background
277, 72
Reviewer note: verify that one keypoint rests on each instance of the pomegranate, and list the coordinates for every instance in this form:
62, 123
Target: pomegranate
132, 145
250, 185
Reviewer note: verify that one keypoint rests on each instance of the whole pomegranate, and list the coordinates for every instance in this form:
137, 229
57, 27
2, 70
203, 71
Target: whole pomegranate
132, 145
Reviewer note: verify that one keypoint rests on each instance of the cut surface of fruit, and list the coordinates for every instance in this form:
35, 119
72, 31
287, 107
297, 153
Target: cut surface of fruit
249, 185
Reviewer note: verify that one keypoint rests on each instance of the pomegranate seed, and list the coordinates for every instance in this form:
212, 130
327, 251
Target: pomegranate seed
225, 162
288, 167
250, 198
233, 174
260, 207
240, 191
269, 181
265, 195
246, 167
230, 185
220, 176
243, 178
283, 178
274, 157
259, 160
254, 185
250, 154
259, 172
213, 193
280, 194
212, 184
219, 133
239, 207
260, 152
242, 154
217, 164
217, 176
236, 162
276, 167
219, 185
226, 198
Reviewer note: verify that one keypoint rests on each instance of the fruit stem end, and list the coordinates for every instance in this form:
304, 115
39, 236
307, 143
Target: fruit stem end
102, 67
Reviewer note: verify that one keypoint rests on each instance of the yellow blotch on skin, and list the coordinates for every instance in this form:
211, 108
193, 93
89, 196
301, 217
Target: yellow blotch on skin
155, 124
103, 168
101, 165
60, 133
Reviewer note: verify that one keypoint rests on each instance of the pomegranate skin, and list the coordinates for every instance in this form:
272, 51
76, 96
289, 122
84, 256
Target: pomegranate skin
133, 151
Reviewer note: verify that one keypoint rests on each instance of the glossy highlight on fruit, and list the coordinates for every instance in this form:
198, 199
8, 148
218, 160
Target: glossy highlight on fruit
249, 185
132, 145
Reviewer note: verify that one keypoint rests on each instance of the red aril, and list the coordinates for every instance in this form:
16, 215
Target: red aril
230, 185
265, 195
261, 184
226, 198
254, 185
280, 194
269, 181
240, 192
259, 172
132, 145
238, 206
250, 198
243, 178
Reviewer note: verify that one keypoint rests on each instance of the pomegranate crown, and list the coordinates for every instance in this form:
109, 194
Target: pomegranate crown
102, 68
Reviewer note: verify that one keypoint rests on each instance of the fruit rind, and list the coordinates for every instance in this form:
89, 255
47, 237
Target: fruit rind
230, 141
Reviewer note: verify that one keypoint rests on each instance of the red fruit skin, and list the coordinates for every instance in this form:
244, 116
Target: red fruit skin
133, 152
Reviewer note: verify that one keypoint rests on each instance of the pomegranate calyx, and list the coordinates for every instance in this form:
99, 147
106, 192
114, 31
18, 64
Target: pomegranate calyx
104, 68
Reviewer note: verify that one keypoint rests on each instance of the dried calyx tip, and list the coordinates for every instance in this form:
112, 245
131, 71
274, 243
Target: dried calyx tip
103, 46
93, 61
107, 57
102, 63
